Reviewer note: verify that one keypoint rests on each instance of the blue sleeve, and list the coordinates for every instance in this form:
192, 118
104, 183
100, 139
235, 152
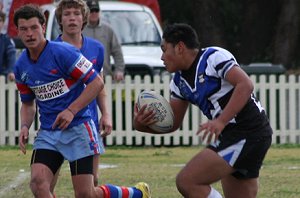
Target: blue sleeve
74, 64
100, 58
10, 54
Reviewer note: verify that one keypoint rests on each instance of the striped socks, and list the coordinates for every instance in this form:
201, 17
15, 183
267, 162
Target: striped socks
111, 191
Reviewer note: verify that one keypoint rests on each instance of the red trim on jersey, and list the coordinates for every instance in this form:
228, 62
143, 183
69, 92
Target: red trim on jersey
24, 89
88, 75
76, 73
70, 82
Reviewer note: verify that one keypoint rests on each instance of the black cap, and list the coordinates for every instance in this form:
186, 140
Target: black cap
93, 4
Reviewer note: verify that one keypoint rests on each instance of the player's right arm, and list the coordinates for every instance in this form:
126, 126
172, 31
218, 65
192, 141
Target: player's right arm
27, 112
179, 108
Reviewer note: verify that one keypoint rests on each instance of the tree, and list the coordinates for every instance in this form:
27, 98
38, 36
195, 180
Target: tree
286, 36
253, 30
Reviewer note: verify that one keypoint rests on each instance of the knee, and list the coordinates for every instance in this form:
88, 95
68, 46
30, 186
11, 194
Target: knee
39, 186
182, 184
188, 187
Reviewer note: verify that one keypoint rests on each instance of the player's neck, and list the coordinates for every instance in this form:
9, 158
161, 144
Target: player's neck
73, 39
36, 52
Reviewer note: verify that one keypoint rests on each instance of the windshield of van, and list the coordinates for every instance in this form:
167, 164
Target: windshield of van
132, 27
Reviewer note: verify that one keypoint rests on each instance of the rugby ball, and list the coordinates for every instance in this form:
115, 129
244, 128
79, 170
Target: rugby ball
163, 111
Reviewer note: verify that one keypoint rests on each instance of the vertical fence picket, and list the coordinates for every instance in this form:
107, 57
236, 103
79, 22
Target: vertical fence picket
129, 102
2, 110
273, 110
12, 111
291, 119
138, 88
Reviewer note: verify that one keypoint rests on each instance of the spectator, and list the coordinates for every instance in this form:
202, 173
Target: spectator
152, 4
105, 34
7, 52
5, 4
11, 28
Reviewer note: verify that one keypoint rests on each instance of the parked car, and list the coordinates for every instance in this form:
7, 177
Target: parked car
263, 68
137, 29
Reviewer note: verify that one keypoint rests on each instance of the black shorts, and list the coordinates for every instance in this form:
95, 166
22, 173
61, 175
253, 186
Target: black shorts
53, 160
245, 152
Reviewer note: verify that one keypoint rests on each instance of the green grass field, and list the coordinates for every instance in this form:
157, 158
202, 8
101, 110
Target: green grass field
158, 166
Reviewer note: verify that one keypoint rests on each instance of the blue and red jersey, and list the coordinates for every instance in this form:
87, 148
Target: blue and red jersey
55, 80
93, 50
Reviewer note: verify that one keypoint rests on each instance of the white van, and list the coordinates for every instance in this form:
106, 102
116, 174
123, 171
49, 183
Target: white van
137, 29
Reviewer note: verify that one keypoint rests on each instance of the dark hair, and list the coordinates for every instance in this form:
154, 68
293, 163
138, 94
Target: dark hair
29, 11
72, 4
2, 15
174, 33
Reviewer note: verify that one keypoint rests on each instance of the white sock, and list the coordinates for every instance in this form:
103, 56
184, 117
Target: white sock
214, 193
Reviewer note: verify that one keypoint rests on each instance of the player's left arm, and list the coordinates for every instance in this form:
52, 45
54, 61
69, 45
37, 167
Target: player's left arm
243, 88
105, 120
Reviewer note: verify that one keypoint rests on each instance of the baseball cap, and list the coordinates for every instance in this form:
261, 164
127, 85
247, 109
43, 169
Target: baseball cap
93, 4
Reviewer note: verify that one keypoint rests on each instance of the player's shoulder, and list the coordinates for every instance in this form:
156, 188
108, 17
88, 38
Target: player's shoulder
61, 47
91, 42
217, 50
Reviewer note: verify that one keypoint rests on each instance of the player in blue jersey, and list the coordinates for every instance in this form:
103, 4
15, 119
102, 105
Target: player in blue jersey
212, 79
62, 82
72, 17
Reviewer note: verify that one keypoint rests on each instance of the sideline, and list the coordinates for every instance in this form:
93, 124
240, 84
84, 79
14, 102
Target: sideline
15, 183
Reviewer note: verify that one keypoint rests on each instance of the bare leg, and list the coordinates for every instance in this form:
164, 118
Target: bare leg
234, 188
41, 177
96, 162
84, 186
202, 170
54, 181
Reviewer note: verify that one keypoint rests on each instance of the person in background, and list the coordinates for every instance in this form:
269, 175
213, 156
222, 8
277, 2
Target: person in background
152, 4
15, 4
7, 52
102, 32
6, 4
237, 129
71, 26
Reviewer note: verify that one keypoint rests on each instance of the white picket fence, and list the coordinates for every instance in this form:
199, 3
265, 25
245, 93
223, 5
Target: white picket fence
280, 95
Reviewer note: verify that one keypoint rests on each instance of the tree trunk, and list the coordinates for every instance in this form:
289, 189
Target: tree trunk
286, 37
259, 20
208, 22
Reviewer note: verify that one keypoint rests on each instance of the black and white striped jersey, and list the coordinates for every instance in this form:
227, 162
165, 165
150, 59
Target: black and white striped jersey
204, 85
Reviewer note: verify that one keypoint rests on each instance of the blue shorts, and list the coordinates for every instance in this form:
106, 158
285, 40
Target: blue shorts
73, 143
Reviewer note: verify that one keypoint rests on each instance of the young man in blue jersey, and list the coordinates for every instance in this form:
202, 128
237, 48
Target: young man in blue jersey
72, 17
212, 79
62, 82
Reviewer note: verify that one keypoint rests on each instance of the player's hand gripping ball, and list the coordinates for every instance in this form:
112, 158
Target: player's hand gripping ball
163, 111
